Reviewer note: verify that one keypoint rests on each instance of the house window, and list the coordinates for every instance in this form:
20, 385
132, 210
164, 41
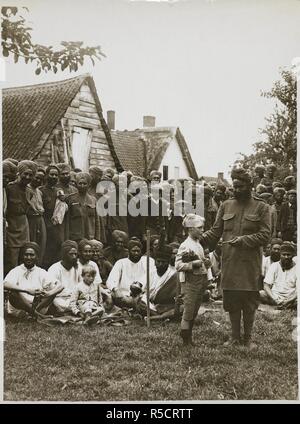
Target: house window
165, 172
81, 145
176, 172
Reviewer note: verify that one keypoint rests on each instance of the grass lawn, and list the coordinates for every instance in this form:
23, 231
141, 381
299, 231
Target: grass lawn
130, 363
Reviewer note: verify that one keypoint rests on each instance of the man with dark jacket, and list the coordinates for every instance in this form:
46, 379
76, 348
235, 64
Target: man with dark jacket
244, 225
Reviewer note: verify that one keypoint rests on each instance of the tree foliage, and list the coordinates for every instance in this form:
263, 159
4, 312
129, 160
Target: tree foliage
278, 142
17, 42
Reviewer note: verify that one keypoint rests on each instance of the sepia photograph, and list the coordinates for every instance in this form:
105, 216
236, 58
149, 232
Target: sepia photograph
149, 195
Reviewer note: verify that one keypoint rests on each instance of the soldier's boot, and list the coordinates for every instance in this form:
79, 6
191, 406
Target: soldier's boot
235, 319
248, 318
185, 335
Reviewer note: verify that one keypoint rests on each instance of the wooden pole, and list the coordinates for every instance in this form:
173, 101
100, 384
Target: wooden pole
64, 141
148, 279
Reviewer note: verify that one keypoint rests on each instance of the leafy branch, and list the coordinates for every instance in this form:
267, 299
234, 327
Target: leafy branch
17, 42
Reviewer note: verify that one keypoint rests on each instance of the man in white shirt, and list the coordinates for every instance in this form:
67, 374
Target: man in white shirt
30, 287
127, 271
68, 274
267, 261
280, 283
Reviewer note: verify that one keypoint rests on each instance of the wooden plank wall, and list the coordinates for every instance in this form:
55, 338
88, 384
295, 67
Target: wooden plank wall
82, 112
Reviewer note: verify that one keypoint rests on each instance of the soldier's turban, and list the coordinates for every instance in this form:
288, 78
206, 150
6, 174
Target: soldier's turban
119, 234
155, 173
134, 243
287, 247
9, 168
241, 174
83, 243
68, 245
96, 244
96, 171
31, 245
51, 166
164, 253
64, 167
276, 241
25, 165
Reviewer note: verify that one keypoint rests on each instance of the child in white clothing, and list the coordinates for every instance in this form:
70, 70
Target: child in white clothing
86, 299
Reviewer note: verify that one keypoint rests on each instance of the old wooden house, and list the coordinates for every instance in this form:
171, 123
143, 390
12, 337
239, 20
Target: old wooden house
151, 147
57, 122
63, 122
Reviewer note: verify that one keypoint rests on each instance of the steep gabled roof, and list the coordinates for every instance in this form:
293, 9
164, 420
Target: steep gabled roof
216, 180
142, 150
29, 112
130, 150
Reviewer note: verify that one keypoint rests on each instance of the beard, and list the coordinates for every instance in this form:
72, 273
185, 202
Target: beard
134, 259
242, 196
286, 263
275, 257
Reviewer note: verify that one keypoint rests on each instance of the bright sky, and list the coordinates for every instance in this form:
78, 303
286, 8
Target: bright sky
196, 64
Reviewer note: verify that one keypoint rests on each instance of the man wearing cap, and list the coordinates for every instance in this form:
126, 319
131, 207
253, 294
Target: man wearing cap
193, 270
259, 173
244, 225
67, 273
30, 288
127, 271
288, 217
17, 231
280, 283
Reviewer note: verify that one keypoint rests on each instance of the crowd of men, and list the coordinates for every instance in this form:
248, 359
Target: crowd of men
62, 257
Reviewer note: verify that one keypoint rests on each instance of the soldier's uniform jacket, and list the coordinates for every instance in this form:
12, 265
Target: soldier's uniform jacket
241, 264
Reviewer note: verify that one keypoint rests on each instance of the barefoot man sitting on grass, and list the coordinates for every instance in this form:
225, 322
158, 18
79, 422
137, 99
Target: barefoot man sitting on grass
280, 283
31, 288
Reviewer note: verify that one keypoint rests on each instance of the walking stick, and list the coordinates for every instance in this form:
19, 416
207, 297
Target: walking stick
148, 279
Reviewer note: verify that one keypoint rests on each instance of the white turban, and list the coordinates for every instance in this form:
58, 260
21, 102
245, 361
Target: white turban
191, 220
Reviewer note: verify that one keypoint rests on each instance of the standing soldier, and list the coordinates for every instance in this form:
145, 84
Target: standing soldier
244, 225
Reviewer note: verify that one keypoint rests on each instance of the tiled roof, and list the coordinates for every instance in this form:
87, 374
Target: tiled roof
29, 112
130, 150
142, 157
216, 180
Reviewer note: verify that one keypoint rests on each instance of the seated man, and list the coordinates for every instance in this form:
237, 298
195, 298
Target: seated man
103, 264
127, 271
67, 273
117, 250
274, 255
31, 288
281, 279
164, 288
